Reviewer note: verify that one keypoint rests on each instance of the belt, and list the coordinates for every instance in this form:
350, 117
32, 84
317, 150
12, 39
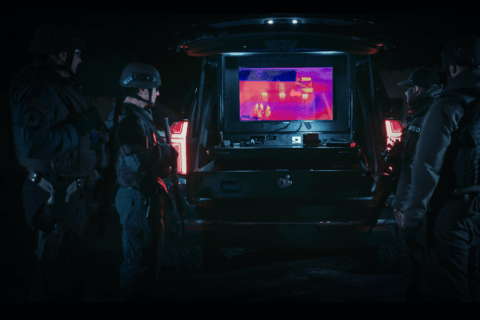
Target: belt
37, 178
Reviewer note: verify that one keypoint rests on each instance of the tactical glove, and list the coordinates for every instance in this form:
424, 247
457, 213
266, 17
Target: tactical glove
400, 218
168, 154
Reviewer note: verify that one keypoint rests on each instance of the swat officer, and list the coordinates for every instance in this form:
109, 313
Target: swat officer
143, 163
58, 138
421, 89
446, 180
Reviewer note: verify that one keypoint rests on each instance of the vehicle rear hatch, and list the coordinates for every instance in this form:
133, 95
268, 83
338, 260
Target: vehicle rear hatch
239, 159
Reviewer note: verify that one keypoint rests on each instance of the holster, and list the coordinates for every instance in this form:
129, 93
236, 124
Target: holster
51, 242
48, 187
44, 184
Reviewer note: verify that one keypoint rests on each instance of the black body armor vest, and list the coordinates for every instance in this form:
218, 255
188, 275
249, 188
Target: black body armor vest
92, 150
144, 155
466, 144
69, 101
64, 106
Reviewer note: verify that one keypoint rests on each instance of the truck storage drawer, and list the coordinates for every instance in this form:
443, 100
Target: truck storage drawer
282, 185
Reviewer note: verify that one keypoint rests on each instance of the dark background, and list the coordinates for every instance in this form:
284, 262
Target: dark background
114, 40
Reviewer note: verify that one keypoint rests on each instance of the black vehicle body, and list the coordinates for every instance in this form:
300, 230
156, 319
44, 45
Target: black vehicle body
276, 184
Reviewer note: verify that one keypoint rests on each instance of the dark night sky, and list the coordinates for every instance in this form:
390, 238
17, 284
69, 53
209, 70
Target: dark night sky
115, 39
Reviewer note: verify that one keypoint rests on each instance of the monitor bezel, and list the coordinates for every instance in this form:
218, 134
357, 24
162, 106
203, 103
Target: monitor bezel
230, 95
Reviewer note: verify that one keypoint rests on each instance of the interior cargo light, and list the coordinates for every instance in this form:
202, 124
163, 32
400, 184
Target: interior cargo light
394, 131
306, 79
282, 21
178, 131
308, 90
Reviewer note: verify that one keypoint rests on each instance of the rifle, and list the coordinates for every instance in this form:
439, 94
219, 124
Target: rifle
174, 177
150, 201
392, 165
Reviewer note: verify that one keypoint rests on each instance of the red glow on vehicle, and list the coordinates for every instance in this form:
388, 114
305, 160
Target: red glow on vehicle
352, 145
177, 127
178, 131
394, 131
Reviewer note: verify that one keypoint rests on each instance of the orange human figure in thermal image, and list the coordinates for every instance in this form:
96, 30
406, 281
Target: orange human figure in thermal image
261, 113
268, 113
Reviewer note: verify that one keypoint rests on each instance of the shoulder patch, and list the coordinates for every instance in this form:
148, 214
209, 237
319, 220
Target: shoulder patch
414, 129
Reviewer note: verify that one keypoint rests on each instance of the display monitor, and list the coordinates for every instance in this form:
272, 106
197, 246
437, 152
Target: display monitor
286, 94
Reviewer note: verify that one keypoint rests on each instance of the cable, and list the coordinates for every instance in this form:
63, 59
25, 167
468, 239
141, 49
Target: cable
301, 125
283, 127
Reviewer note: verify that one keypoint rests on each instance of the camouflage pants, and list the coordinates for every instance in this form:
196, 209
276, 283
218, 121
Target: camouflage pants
61, 273
142, 240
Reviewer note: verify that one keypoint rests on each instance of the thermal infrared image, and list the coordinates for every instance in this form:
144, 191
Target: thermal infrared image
286, 94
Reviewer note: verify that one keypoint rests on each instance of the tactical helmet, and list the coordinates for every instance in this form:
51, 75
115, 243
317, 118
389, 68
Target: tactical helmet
422, 77
52, 38
463, 51
140, 75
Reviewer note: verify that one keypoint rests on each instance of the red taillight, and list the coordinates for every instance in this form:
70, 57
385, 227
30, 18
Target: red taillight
177, 127
178, 132
394, 131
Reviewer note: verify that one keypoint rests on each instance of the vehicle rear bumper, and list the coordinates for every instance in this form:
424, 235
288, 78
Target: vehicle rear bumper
193, 224
307, 235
